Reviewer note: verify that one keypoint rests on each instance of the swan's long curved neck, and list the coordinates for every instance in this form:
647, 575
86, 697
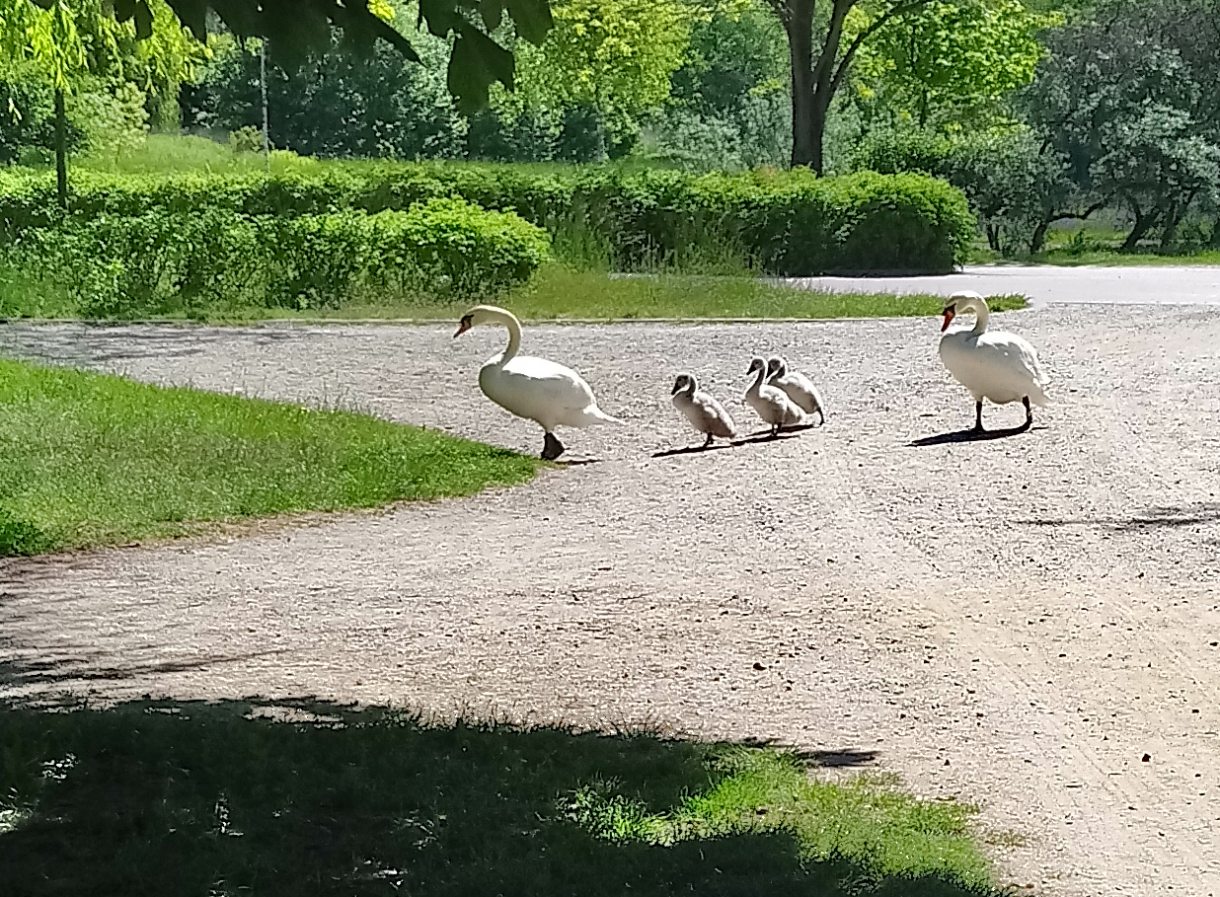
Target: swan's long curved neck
513, 326
982, 316
760, 379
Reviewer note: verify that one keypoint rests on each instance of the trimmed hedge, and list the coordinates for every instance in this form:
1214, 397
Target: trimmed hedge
169, 262
786, 223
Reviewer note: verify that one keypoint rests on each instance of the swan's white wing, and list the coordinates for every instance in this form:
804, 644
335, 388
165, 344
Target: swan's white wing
720, 424
542, 391
1000, 366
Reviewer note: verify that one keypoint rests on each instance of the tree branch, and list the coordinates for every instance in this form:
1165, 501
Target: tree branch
894, 12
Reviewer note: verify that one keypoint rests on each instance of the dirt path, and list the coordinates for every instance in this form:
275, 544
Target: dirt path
1016, 621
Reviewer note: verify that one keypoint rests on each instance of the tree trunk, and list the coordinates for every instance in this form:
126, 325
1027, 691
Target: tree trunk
1170, 229
61, 150
806, 136
1038, 239
1143, 224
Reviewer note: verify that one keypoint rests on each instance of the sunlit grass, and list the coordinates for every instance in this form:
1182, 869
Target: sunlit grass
92, 459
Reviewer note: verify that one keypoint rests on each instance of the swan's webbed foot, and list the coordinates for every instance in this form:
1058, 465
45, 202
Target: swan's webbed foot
978, 417
552, 448
708, 442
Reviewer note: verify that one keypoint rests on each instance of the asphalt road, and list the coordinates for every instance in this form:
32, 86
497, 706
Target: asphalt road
1047, 284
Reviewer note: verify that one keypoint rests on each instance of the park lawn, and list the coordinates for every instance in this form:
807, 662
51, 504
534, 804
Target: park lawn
559, 293
91, 459
305, 797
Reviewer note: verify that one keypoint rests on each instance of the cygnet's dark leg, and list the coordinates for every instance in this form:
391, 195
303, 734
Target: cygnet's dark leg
1029, 413
552, 448
709, 440
821, 417
978, 417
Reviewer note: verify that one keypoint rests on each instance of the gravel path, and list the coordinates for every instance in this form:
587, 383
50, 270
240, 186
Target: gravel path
1016, 621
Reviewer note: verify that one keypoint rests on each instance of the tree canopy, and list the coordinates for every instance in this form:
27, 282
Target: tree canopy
296, 28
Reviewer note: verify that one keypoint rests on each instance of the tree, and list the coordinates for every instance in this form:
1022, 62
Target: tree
297, 28
816, 80
1127, 96
614, 57
953, 59
68, 41
335, 104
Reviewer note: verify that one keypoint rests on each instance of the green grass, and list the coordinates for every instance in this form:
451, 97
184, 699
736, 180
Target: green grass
183, 154
158, 798
1096, 244
559, 293
92, 459
556, 293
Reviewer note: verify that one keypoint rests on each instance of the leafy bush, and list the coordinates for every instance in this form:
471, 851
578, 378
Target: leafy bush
788, 223
1015, 186
167, 263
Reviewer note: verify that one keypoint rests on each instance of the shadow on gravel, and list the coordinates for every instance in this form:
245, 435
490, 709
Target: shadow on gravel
301, 797
970, 436
79, 666
1195, 514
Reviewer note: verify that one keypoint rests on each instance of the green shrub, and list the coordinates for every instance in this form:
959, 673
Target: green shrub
168, 263
787, 223
1014, 184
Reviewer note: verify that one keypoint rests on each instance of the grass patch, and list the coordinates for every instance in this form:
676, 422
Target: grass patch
92, 459
189, 798
557, 293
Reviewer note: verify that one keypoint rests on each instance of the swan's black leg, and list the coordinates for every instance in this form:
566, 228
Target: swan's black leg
978, 417
552, 448
709, 440
1029, 413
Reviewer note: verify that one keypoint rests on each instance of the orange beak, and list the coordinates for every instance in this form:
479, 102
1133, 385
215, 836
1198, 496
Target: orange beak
463, 326
950, 313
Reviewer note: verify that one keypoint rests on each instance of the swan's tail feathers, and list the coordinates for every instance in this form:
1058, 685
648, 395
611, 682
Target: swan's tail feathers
1038, 395
596, 415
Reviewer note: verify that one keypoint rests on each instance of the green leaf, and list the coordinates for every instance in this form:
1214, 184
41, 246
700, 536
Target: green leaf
492, 12
476, 62
144, 20
532, 18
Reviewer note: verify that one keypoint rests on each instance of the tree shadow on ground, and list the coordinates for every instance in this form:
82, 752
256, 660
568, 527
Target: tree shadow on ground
1155, 518
306, 797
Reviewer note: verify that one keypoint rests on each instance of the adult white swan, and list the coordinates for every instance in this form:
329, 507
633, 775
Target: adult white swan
549, 394
1002, 367
703, 412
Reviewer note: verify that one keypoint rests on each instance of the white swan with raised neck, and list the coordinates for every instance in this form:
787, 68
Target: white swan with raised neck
995, 365
537, 389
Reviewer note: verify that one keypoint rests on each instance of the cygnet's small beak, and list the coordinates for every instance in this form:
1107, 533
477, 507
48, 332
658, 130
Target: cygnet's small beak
950, 313
677, 386
463, 326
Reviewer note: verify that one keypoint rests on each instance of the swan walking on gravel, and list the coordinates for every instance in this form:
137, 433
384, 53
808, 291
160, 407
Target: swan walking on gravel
771, 402
704, 413
536, 389
1002, 367
796, 386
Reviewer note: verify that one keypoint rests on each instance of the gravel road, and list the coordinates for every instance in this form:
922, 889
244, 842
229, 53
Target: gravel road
1019, 622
